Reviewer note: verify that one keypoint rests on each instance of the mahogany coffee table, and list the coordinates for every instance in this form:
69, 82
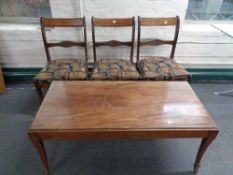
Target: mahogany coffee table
121, 109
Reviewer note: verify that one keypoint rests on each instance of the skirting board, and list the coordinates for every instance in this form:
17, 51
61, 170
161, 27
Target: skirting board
198, 74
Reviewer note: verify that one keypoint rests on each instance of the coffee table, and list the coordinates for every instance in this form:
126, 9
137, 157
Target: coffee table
121, 109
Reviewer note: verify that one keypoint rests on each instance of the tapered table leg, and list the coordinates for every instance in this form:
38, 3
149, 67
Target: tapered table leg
203, 147
38, 143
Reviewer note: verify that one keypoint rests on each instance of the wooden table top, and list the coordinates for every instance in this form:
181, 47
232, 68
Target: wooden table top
121, 105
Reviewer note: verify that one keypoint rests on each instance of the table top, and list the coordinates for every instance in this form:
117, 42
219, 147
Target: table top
121, 105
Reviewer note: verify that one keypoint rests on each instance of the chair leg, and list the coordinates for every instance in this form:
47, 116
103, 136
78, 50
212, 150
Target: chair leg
189, 78
39, 92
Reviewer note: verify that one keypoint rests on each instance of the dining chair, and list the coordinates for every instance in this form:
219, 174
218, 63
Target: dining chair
66, 68
114, 68
160, 67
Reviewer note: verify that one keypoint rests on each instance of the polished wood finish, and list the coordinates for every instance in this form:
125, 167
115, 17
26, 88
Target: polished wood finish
61, 22
156, 42
113, 22
158, 21
121, 105
121, 109
2, 83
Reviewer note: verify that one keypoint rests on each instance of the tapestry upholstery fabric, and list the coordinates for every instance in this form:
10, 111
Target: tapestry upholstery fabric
162, 68
62, 69
115, 69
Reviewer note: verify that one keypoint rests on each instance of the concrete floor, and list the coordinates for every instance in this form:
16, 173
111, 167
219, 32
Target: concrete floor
18, 106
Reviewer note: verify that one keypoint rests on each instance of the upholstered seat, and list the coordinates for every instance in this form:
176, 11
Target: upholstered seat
115, 69
62, 69
162, 68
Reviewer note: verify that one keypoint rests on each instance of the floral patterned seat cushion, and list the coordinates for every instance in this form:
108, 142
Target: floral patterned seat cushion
62, 69
115, 69
162, 68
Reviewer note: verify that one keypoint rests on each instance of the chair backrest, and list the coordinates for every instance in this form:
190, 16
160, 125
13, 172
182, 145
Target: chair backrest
63, 22
156, 42
113, 22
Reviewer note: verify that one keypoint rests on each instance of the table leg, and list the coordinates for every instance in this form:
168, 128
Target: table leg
38, 143
203, 147
39, 92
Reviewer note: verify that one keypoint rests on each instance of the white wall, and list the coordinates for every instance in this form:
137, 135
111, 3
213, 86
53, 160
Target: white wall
206, 45
22, 46
129, 8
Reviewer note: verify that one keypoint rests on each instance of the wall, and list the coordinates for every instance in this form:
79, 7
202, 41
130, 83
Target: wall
22, 46
129, 8
206, 45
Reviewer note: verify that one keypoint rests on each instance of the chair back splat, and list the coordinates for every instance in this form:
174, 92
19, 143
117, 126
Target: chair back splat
156, 42
113, 22
63, 22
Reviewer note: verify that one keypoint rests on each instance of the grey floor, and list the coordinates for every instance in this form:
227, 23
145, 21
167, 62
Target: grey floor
18, 106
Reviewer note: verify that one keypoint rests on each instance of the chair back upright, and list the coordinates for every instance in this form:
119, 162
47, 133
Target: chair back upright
175, 21
113, 22
63, 22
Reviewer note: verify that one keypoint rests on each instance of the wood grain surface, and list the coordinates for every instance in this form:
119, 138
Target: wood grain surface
121, 105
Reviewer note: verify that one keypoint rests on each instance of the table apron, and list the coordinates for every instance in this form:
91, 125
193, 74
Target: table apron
75, 135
